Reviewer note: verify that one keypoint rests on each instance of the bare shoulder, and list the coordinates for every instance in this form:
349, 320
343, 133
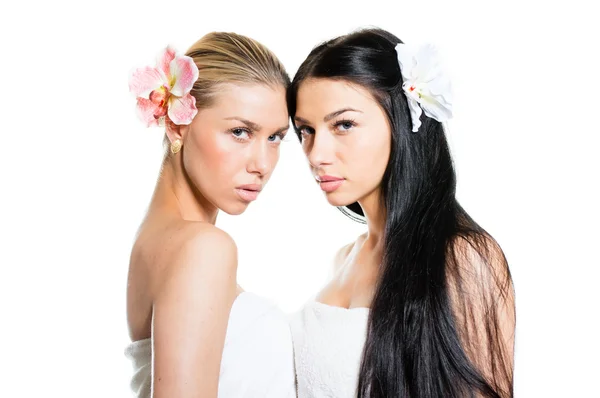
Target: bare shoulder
480, 282
481, 258
199, 247
483, 302
191, 308
199, 259
176, 257
193, 236
342, 254
165, 250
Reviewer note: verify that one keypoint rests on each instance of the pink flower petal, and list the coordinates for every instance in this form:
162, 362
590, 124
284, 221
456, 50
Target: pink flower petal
146, 111
159, 97
182, 109
164, 59
185, 72
145, 80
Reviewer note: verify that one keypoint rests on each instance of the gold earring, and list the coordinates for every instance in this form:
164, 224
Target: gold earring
175, 146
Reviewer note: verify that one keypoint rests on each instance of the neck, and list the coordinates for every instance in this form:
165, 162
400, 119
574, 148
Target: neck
375, 214
176, 195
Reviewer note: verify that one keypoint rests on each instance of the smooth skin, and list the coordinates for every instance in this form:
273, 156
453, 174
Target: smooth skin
182, 276
346, 134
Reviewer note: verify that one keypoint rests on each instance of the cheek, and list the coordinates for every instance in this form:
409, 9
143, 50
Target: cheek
217, 153
305, 146
370, 158
274, 157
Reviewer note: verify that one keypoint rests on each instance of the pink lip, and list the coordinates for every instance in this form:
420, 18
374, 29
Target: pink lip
330, 186
329, 183
248, 192
327, 178
251, 187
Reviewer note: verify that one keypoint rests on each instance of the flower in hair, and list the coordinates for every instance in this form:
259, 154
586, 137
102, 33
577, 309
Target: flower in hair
164, 91
426, 85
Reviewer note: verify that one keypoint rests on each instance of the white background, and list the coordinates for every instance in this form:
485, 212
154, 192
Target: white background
77, 171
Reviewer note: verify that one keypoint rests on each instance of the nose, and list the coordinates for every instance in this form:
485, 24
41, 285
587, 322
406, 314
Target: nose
260, 159
319, 148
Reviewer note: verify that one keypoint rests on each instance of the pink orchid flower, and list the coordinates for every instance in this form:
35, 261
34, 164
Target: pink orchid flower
165, 90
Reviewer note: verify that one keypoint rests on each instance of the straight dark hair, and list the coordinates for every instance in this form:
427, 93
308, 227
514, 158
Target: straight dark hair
435, 326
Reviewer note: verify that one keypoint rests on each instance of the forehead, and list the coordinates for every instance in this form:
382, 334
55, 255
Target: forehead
317, 96
259, 103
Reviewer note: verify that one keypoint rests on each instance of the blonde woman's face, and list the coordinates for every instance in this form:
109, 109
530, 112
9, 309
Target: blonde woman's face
232, 147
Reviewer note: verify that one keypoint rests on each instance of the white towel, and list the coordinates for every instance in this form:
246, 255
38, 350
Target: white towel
257, 357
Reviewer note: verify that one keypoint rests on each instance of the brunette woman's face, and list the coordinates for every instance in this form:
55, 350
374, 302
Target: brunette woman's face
346, 137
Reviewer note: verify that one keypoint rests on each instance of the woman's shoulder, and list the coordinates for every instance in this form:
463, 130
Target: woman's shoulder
190, 246
165, 240
180, 256
478, 275
479, 255
341, 256
193, 236
183, 249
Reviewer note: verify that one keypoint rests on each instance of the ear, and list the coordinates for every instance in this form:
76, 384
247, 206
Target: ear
175, 132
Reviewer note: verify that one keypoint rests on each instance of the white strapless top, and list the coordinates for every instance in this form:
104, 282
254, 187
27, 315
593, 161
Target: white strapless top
328, 346
257, 357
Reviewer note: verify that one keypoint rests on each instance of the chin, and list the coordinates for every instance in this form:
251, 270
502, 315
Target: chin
235, 209
336, 199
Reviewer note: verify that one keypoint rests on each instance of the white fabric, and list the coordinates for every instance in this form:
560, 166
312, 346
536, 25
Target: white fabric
257, 357
328, 345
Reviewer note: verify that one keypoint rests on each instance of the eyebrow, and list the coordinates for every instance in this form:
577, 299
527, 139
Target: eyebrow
283, 129
247, 122
254, 126
329, 116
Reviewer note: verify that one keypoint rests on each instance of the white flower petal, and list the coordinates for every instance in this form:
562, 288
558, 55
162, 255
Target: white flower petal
437, 106
415, 114
406, 60
426, 86
440, 86
435, 109
427, 59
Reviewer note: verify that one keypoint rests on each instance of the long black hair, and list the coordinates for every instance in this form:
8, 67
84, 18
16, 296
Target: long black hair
437, 326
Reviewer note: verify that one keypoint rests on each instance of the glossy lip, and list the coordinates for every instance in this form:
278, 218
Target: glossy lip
330, 186
248, 192
251, 187
327, 178
329, 183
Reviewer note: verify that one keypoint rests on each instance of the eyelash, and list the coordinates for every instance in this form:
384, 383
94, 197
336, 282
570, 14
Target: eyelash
238, 139
344, 121
237, 129
280, 135
301, 130
335, 125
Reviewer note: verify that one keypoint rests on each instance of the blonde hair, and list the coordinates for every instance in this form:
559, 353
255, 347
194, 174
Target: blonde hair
223, 57
231, 58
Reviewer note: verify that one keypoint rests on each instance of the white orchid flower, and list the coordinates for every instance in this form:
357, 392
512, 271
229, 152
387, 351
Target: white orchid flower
424, 82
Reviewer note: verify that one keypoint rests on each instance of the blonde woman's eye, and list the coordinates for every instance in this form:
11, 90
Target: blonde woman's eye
240, 134
276, 137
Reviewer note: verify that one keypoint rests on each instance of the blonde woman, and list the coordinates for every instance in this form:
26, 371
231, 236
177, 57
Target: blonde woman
195, 332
